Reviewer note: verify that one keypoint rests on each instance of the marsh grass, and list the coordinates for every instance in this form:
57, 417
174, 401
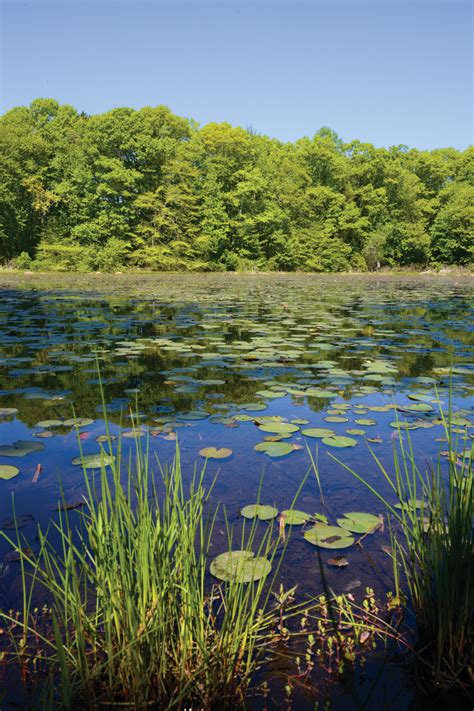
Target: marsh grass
433, 545
134, 618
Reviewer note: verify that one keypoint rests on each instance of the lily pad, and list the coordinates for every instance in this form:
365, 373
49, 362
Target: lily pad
240, 567
263, 513
17, 521
94, 461
359, 522
105, 438
274, 449
404, 425
279, 427
46, 424
215, 453
78, 422
318, 432
8, 472
20, 448
193, 415
410, 504
366, 421
419, 407
293, 517
339, 441
329, 536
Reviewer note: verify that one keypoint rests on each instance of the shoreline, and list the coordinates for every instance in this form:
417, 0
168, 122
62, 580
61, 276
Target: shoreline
443, 272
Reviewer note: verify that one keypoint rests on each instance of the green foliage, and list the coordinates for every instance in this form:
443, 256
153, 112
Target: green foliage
23, 261
147, 189
453, 228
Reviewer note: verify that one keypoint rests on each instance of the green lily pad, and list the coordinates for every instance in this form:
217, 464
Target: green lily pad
46, 424
253, 406
94, 461
293, 517
354, 431
8, 472
240, 567
410, 504
193, 415
366, 421
359, 522
339, 441
318, 432
78, 422
329, 536
404, 425
279, 427
336, 418
274, 449
215, 453
133, 434
20, 448
263, 513
419, 407
270, 394
105, 438
459, 421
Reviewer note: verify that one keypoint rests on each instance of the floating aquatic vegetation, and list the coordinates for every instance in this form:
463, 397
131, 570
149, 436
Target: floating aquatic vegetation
318, 432
20, 448
279, 427
7, 471
339, 441
359, 522
294, 517
78, 422
326, 536
94, 461
47, 424
215, 453
274, 449
240, 566
263, 513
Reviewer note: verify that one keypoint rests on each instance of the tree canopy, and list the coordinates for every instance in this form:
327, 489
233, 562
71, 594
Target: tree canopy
148, 189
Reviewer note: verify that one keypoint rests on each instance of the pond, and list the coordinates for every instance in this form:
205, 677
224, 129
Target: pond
268, 370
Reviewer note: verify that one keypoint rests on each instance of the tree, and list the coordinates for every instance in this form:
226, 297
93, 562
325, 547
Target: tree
453, 228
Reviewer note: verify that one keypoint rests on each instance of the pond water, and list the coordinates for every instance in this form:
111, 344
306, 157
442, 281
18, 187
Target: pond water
224, 361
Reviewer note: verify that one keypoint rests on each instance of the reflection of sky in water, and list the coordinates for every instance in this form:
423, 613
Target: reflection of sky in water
213, 343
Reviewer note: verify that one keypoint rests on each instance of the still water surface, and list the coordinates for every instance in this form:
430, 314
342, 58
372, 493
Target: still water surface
209, 358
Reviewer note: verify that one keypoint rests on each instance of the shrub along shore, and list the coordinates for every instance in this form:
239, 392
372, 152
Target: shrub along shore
146, 189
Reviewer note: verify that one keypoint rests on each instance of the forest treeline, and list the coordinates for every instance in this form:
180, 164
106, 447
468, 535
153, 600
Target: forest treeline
152, 190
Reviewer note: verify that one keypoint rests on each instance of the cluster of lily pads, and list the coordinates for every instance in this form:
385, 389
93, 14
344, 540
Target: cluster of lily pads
243, 566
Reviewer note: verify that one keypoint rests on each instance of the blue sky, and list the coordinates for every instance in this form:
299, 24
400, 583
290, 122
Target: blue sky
383, 71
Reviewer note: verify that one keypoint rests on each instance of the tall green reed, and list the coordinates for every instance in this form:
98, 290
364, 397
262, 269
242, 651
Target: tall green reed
135, 619
432, 537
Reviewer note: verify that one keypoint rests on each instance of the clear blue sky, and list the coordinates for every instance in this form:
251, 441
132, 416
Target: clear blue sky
385, 71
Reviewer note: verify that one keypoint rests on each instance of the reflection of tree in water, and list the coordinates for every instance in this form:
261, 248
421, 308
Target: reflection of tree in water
260, 329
